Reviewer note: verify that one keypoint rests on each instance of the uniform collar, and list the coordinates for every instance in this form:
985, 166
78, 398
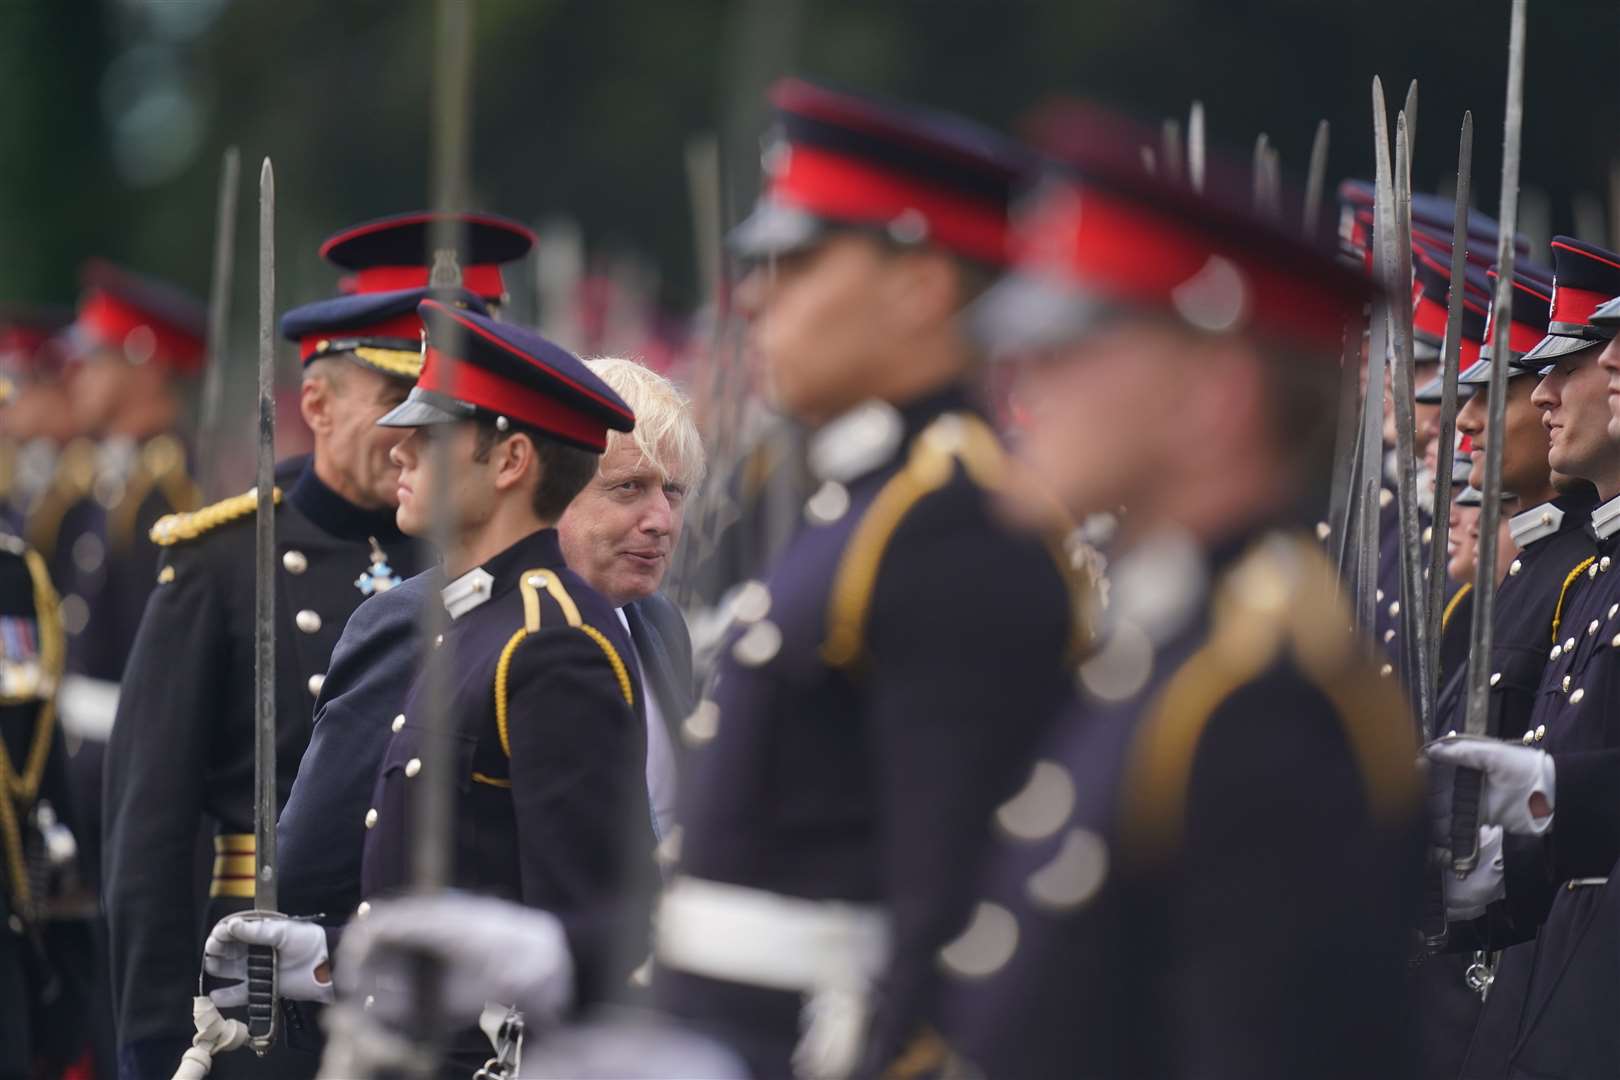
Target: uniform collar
1606, 519
1536, 523
874, 433
498, 574
334, 514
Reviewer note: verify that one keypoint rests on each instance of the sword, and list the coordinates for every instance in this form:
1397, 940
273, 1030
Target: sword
261, 960
1465, 800
1449, 363
1170, 141
1372, 411
1315, 180
1395, 251
219, 320
1195, 146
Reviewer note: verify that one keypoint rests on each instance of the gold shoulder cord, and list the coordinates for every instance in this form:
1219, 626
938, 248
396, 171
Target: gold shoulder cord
171, 529
951, 439
162, 466
530, 584
1451, 607
17, 793
1279, 598
1569, 579
75, 476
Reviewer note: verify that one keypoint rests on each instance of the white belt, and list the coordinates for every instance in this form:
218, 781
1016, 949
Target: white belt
827, 950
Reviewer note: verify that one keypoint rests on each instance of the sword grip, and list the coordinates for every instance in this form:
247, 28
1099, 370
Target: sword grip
1465, 795
261, 991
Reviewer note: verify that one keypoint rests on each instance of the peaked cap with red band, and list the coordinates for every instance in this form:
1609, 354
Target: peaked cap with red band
1585, 277
1431, 297
380, 330
1532, 303
394, 253
474, 366
138, 318
27, 349
1105, 234
843, 160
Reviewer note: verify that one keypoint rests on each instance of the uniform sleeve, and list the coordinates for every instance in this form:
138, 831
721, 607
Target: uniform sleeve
154, 800
967, 638
319, 836
1585, 837
1288, 907
578, 771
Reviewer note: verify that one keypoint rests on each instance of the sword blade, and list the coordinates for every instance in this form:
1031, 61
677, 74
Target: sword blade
264, 597
1502, 312
1316, 180
219, 320
1449, 361
1195, 146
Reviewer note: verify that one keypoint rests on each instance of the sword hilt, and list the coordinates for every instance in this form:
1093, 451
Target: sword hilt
1465, 796
261, 995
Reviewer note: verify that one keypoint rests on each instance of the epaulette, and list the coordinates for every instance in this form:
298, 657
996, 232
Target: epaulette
952, 439
161, 467
531, 583
171, 529
73, 479
1279, 601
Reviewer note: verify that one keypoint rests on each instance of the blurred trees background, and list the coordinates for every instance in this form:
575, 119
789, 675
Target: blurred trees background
113, 113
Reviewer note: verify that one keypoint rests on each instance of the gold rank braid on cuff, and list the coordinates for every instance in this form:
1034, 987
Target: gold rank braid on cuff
1569, 579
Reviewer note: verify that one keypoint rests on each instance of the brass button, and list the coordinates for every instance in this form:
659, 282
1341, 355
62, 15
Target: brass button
371, 818
1566, 682
308, 621
399, 722
1514, 567
315, 683
1386, 671
413, 766
1541, 732
296, 562
1528, 738
1592, 627
1389, 635
1580, 692
1394, 608
1496, 677
363, 910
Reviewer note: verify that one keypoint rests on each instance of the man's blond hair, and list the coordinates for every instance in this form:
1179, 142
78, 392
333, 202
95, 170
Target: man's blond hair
665, 431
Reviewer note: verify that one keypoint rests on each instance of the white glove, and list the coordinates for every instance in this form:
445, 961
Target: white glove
1468, 896
487, 950
300, 946
1513, 774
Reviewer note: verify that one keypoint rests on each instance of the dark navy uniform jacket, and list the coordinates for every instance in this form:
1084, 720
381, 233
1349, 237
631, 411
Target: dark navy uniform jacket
549, 754
1529, 605
1214, 868
321, 831
46, 928
879, 693
182, 745
1554, 884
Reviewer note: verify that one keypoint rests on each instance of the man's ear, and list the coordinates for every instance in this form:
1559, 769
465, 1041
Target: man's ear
927, 287
515, 461
315, 403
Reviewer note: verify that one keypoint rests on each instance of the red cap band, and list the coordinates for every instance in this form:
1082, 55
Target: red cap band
110, 321
484, 280
1574, 306
840, 188
444, 374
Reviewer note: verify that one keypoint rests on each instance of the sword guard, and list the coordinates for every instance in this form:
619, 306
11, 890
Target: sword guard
261, 995
1465, 795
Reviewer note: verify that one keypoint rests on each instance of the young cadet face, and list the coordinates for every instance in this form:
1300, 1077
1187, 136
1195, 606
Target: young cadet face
1462, 543
1609, 361
1101, 414
619, 532
824, 321
1525, 442
472, 490
1574, 401
342, 405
